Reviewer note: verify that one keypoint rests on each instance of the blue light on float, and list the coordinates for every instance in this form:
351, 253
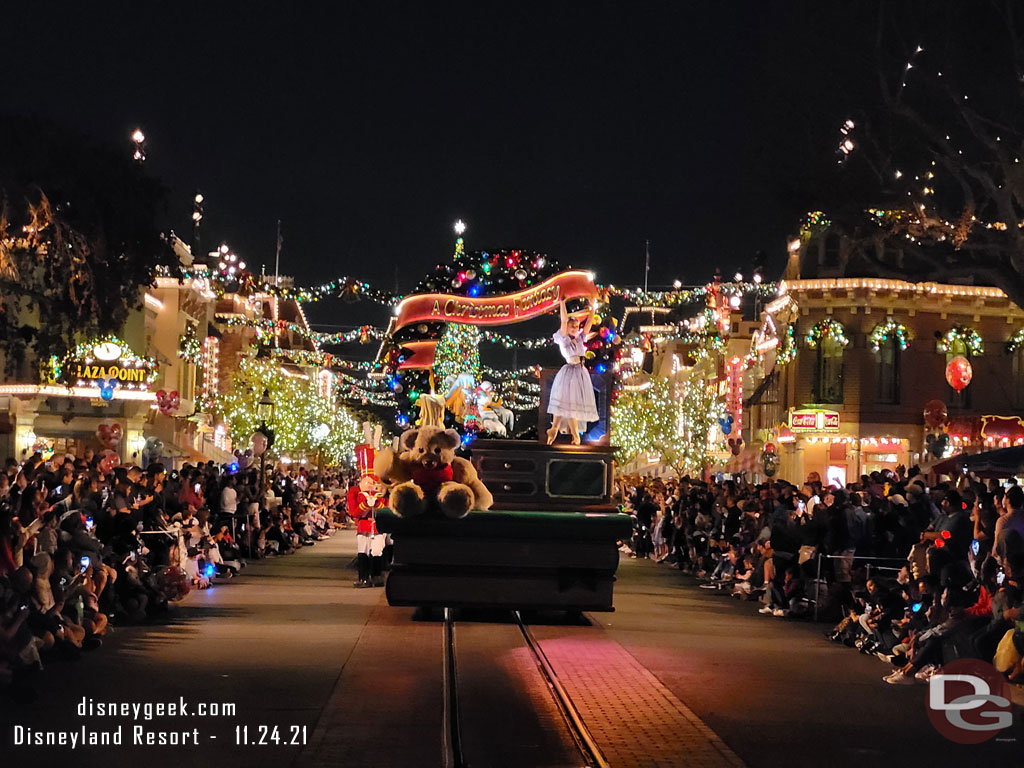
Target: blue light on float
600, 367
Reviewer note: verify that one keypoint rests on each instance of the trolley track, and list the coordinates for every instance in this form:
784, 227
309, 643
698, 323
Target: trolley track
503, 701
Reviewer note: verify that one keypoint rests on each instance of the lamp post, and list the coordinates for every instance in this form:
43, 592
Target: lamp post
262, 441
265, 411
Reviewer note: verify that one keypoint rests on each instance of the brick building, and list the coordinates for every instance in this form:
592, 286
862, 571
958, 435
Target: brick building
845, 366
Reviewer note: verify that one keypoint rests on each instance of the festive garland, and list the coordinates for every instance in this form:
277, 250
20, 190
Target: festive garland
513, 342
814, 222
681, 297
190, 348
245, 283
890, 329
787, 348
363, 334
966, 335
827, 328
1015, 341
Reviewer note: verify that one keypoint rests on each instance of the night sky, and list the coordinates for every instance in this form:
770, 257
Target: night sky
579, 129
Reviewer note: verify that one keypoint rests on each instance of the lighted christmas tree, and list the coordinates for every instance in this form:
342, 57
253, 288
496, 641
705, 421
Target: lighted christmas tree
304, 421
457, 352
672, 421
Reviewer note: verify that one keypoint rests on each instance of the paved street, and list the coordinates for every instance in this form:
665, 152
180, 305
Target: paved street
272, 642
676, 676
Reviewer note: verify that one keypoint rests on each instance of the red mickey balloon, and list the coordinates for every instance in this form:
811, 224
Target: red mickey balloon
959, 373
935, 414
109, 435
108, 460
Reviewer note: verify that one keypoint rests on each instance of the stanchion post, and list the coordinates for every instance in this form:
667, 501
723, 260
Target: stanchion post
817, 588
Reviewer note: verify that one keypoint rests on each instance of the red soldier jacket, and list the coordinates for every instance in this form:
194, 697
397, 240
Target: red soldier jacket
361, 507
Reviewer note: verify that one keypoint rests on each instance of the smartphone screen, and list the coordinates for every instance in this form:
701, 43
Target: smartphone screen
1000, 577
84, 563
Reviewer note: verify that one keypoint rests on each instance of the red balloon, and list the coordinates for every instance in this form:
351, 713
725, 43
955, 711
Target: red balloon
959, 373
109, 435
108, 460
935, 414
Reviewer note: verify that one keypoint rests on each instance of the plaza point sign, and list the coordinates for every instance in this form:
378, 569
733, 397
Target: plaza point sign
495, 310
107, 363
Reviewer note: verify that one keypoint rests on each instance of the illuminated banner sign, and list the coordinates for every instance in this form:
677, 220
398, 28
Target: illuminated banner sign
813, 420
108, 364
496, 310
84, 372
419, 355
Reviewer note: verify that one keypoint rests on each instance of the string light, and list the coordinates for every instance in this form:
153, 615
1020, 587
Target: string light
964, 336
299, 411
890, 330
828, 329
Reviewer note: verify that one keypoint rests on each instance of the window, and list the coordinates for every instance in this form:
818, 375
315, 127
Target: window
828, 372
827, 338
1018, 376
832, 250
888, 370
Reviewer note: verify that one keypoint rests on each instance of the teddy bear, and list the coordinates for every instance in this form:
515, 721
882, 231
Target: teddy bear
426, 474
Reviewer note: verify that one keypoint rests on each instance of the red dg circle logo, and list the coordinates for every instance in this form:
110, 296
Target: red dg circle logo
968, 701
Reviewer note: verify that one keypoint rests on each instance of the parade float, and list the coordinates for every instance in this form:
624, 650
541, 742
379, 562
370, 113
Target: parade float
542, 532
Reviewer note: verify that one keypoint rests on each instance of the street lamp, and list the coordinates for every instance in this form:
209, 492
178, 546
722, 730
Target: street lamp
197, 220
139, 142
263, 439
265, 410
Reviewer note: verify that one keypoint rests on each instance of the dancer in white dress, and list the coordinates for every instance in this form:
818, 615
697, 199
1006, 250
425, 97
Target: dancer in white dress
571, 402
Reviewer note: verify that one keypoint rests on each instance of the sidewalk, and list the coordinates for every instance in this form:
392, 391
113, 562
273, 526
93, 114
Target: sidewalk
272, 642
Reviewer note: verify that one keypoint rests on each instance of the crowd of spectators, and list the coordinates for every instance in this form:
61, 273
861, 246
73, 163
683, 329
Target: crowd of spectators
917, 573
84, 547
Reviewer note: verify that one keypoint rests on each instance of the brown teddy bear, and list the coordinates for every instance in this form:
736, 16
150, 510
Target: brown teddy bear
427, 472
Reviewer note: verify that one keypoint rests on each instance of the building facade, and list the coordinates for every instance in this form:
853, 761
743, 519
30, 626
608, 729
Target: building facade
844, 366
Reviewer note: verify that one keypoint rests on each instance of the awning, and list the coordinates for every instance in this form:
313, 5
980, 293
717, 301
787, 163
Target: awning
1004, 462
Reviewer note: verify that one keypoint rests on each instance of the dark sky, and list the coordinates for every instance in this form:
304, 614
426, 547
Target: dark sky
579, 129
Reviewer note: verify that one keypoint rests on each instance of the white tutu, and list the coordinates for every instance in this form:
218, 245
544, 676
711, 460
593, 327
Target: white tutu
572, 394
